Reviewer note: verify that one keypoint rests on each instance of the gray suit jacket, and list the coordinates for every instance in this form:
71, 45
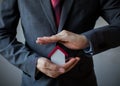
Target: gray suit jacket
78, 16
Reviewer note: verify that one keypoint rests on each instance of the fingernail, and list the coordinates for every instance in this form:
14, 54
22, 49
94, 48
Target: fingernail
78, 58
38, 38
36, 41
61, 70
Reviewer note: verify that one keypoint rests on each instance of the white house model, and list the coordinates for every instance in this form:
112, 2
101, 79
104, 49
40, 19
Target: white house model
58, 56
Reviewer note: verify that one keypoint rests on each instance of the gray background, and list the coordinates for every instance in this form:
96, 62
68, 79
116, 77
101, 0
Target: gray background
106, 66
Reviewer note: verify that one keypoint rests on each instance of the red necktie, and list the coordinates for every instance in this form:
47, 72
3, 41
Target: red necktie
57, 10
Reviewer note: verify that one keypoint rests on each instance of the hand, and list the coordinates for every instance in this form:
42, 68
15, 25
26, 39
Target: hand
52, 70
68, 39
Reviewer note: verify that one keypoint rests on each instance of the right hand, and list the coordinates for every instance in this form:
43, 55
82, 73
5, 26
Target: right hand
68, 39
53, 70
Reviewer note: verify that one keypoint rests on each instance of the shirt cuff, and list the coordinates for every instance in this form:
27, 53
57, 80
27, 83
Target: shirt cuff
89, 49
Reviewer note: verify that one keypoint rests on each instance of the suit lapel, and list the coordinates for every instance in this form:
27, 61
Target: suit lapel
65, 11
46, 6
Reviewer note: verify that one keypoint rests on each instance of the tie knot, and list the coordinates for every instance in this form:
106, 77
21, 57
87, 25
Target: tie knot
55, 3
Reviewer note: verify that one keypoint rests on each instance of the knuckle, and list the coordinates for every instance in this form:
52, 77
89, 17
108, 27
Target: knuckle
64, 31
45, 63
54, 67
52, 76
55, 37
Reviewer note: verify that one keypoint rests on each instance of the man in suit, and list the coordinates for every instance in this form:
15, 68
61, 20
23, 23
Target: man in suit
71, 29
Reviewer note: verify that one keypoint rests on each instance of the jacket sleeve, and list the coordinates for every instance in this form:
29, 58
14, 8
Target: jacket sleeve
106, 37
15, 52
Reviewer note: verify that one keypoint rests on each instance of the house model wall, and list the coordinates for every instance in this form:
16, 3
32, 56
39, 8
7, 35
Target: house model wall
58, 55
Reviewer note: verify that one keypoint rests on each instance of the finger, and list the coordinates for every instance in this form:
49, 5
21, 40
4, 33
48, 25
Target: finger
77, 60
52, 74
42, 40
69, 63
53, 67
46, 40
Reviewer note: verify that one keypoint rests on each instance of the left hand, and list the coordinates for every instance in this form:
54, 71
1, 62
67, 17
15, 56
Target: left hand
53, 70
68, 39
